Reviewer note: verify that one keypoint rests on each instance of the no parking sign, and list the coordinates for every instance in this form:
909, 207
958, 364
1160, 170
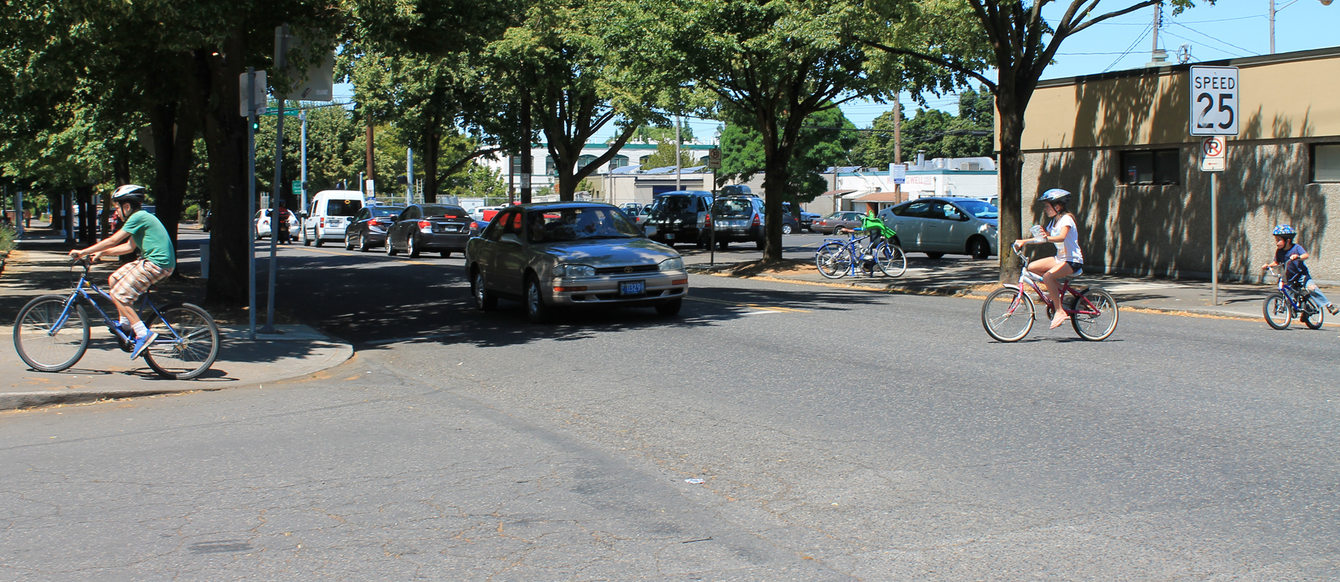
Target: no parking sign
1213, 154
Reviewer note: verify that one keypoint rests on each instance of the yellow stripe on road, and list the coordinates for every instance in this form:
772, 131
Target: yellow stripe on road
749, 305
346, 254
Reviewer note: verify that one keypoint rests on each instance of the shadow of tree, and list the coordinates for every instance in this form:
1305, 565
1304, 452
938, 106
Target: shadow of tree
1165, 229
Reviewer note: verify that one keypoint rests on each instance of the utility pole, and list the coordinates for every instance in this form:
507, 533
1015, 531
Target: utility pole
368, 175
678, 186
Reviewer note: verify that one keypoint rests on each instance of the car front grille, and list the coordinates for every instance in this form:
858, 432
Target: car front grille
627, 269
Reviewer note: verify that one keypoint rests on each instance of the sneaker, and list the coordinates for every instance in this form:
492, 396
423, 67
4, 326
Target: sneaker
141, 343
1331, 308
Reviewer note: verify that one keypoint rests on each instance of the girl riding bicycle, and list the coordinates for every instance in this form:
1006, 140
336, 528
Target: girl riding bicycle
1064, 233
1292, 254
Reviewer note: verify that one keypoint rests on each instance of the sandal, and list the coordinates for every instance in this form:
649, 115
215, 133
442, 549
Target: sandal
1059, 320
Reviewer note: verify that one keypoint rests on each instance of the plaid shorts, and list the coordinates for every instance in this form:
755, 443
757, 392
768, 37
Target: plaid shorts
134, 278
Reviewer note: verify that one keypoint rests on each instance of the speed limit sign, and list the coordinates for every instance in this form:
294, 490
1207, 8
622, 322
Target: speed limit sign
1214, 101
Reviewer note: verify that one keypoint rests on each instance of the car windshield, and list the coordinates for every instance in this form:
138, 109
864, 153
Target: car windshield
979, 208
570, 224
735, 207
670, 206
444, 211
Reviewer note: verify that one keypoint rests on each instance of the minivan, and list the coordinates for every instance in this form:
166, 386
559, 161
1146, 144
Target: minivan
330, 214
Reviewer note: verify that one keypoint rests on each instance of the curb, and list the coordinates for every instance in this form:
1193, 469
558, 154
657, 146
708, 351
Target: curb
29, 400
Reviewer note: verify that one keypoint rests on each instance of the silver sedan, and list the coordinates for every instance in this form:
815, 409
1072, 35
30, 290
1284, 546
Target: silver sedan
565, 254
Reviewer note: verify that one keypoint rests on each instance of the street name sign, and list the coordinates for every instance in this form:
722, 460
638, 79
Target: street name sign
1214, 101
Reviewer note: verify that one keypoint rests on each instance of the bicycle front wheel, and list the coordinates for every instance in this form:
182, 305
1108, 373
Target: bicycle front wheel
1094, 316
187, 344
891, 259
1277, 311
49, 337
1007, 314
834, 260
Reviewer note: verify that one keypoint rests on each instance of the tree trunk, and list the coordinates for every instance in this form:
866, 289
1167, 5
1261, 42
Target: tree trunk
226, 137
1011, 102
776, 175
432, 148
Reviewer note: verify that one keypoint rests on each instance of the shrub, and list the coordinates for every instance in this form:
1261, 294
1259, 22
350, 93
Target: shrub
6, 239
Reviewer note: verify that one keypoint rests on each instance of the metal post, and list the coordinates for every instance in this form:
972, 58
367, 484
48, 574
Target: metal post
409, 176
1272, 32
302, 116
1214, 238
251, 202
281, 58
678, 186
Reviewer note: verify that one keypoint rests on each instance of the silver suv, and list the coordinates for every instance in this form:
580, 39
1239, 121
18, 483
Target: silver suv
679, 217
738, 219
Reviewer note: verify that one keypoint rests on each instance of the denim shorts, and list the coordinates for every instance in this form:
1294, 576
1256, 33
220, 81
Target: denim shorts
1076, 267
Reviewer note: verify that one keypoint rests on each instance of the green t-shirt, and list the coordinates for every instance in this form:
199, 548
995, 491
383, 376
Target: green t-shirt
152, 239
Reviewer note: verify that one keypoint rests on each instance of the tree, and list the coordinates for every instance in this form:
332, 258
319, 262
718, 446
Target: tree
769, 65
823, 143
1010, 36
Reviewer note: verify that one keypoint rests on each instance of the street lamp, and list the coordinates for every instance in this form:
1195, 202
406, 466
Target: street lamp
1272, 22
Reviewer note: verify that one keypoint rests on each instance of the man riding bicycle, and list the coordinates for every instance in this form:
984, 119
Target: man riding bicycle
140, 230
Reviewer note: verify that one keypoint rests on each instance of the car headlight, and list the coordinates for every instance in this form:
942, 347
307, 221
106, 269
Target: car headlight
566, 270
674, 264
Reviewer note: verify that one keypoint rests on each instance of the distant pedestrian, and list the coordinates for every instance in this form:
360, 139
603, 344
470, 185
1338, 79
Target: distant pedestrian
27, 219
1064, 233
1292, 255
282, 216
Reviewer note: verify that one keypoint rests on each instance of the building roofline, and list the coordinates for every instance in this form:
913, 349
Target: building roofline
1307, 55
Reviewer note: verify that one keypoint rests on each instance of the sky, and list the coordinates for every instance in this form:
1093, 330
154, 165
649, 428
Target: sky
1227, 29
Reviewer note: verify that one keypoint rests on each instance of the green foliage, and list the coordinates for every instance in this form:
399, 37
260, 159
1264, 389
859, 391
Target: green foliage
824, 142
936, 133
7, 239
665, 156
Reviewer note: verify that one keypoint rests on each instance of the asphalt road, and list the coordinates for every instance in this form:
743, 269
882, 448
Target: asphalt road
771, 432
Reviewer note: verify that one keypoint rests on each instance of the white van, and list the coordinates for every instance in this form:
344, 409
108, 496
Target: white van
330, 214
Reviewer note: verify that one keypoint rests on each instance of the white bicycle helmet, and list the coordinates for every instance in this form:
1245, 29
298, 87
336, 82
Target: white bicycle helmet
1055, 195
129, 193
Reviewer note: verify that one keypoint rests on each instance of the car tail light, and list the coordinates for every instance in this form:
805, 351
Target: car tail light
425, 225
474, 226
323, 222
756, 221
707, 220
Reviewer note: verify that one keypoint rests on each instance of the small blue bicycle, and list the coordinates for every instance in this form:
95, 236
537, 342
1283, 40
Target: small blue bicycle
837, 258
1291, 301
52, 332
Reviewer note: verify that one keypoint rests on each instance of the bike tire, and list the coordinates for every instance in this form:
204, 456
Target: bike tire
1277, 310
891, 259
1313, 313
187, 344
1095, 315
1007, 314
46, 352
833, 260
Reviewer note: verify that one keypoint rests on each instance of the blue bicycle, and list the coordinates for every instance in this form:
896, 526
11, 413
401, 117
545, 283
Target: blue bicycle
1291, 301
837, 258
52, 332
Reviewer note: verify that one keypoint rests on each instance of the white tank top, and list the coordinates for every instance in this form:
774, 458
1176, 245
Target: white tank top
1067, 250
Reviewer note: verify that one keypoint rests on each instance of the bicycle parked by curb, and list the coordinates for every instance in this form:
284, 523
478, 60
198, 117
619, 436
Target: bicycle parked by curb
52, 332
838, 258
1008, 313
1291, 301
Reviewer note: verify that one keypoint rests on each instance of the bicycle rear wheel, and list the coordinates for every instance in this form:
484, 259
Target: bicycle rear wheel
40, 347
891, 259
1094, 316
1277, 311
1313, 314
833, 259
187, 344
1007, 314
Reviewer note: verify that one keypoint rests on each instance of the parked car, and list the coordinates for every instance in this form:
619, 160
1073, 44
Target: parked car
840, 219
937, 226
261, 222
680, 216
430, 227
790, 223
329, 215
803, 220
738, 219
561, 254
632, 209
368, 229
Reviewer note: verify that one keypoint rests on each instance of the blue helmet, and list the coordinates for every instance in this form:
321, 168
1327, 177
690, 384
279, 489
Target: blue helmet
1055, 195
1284, 230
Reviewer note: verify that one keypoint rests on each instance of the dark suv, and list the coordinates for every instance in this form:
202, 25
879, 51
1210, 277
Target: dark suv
738, 219
679, 217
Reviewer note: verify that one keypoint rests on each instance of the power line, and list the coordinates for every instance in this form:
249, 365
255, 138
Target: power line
1137, 41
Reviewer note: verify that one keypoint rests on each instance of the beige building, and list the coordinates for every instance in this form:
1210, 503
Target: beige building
1121, 142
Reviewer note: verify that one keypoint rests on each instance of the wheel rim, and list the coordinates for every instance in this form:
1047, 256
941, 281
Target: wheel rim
1007, 315
188, 348
1277, 311
534, 304
1095, 326
479, 289
43, 351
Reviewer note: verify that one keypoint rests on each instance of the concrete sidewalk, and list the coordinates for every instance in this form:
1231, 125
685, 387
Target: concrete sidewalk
39, 266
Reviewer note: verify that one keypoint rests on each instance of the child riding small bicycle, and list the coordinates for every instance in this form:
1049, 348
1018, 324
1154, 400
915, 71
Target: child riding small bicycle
1292, 255
874, 228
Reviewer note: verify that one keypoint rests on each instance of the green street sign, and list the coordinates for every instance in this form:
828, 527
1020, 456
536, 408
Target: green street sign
297, 187
275, 110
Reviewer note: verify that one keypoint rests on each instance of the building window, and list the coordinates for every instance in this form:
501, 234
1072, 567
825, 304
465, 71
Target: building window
1151, 167
618, 161
549, 166
1326, 162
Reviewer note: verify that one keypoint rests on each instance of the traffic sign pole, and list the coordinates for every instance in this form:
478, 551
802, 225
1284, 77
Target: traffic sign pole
1214, 112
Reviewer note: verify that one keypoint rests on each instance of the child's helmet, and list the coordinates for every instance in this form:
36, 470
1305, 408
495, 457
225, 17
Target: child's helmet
1055, 195
1284, 230
129, 192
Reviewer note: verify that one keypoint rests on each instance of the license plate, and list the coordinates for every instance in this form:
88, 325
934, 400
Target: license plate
632, 287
